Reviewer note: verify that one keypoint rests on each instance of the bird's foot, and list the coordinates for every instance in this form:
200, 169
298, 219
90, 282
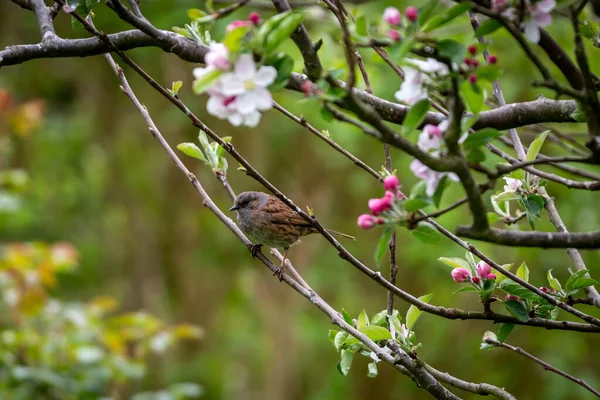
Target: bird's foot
254, 249
279, 273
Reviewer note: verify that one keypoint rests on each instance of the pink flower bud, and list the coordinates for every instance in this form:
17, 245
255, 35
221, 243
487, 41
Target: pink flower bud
254, 17
433, 130
237, 24
377, 206
473, 79
366, 221
493, 59
468, 61
411, 13
392, 16
483, 269
389, 194
399, 194
544, 289
491, 276
511, 297
380, 221
391, 183
394, 35
476, 279
474, 63
472, 49
460, 275
307, 87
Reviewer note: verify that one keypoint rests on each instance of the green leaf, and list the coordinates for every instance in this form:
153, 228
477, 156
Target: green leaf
380, 318
578, 115
425, 12
553, 282
372, 369
282, 31
451, 49
584, 282
284, 64
472, 95
481, 137
515, 289
399, 50
517, 309
362, 320
412, 205
345, 362
340, 339
465, 289
455, 262
361, 25
504, 331
523, 272
233, 38
499, 276
489, 26
195, 13
190, 149
489, 285
426, 233
382, 246
446, 17
374, 332
439, 191
176, 86
347, 318
413, 313
332, 334
201, 84
476, 155
536, 146
573, 278
326, 114
488, 73
534, 204
488, 335
544, 311
415, 115
506, 196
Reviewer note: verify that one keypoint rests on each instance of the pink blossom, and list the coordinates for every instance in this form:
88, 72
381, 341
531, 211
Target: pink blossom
540, 17
431, 137
254, 17
237, 24
491, 276
411, 13
512, 184
432, 178
483, 269
391, 183
366, 221
476, 279
377, 206
460, 275
394, 35
218, 57
392, 16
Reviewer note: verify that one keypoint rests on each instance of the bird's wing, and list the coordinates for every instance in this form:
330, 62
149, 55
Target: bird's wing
279, 213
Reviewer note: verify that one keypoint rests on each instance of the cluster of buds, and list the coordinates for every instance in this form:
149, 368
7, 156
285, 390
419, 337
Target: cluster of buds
253, 19
484, 272
382, 208
392, 17
472, 63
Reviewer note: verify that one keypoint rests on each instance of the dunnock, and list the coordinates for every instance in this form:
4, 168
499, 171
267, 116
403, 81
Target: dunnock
268, 221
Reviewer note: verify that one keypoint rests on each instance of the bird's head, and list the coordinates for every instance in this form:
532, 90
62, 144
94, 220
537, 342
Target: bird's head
249, 201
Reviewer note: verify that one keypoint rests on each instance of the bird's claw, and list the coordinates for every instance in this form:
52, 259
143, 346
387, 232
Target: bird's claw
279, 273
254, 249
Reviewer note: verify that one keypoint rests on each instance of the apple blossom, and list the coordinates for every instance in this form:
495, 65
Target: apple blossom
392, 16
391, 183
393, 35
460, 275
237, 24
217, 57
254, 17
476, 279
411, 13
483, 269
540, 17
366, 221
491, 276
512, 184
412, 89
432, 178
431, 137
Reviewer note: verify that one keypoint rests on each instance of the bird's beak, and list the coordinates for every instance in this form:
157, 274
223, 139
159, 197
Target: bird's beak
234, 207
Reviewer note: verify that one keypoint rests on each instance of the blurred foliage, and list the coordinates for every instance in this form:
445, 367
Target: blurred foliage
98, 180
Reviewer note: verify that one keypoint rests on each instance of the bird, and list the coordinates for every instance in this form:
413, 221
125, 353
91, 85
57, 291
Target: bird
268, 221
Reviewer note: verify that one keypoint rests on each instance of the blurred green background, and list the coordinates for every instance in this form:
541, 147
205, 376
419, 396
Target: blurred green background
101, 182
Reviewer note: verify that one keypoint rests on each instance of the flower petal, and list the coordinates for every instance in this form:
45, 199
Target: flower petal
245, 68
265, 76
263, 99
232, 85
246, 103
532, 31
235, 119
215, 107
252, 119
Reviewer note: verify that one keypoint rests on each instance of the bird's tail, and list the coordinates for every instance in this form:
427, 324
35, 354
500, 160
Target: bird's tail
340, 234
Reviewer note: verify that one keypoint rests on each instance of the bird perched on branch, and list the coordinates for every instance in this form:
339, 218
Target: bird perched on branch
268, 221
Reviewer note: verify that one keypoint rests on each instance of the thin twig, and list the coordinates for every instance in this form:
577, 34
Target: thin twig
544, 364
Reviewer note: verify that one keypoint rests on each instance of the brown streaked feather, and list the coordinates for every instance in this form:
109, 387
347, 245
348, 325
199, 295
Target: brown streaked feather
281, 213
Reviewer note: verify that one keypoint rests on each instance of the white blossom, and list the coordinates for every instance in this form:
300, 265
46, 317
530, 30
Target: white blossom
512, 185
